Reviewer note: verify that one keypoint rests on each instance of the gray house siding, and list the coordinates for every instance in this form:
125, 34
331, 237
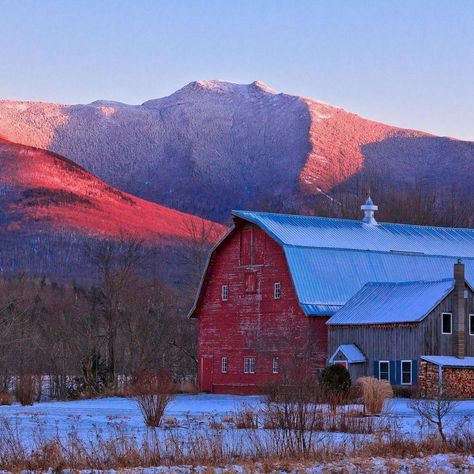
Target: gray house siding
397, 342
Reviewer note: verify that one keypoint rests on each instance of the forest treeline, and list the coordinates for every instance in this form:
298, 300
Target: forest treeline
86, 338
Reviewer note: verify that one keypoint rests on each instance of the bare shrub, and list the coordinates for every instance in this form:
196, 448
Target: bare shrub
292, 413
435, 411
27, 389
374, 393
152, 391
6, 398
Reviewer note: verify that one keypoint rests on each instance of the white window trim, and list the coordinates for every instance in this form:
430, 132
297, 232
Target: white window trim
276, 365
388, 371
471, 317
343, 363
225, 293
224, 365
249, 369
411, 372
442, 319
277, 290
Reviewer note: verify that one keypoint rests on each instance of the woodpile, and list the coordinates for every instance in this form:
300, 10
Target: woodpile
460, 381
428, 379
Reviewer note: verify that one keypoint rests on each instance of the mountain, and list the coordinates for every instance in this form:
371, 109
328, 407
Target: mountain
214, 145
51, 209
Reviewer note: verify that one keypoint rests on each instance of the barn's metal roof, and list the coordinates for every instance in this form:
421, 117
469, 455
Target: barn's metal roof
330, 260
450, 361
351, 352
322, 232
325, 279
382, 303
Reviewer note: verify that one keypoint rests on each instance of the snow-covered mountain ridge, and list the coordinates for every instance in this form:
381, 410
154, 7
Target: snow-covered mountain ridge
215, 145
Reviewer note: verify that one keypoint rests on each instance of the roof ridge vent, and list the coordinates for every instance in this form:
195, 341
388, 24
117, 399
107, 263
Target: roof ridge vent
369, 209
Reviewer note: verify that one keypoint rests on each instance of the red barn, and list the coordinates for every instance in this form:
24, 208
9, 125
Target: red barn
274, 280
252, 328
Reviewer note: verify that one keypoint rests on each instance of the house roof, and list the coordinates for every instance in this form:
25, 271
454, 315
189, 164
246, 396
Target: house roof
382, 303
450, 361
330, 260
351, 352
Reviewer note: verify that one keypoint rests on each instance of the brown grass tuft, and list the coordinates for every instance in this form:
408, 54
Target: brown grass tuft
374, 393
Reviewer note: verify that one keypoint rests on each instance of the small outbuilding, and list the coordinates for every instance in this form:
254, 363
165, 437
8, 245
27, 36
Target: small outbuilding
409, 333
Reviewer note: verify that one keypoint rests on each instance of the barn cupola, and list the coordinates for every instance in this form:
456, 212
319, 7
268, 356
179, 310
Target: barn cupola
369, 209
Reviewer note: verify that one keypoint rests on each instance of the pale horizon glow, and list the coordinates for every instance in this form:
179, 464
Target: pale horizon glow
404, 63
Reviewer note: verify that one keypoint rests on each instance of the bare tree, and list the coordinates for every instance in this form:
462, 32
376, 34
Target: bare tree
194, 252
117, 266
435, 411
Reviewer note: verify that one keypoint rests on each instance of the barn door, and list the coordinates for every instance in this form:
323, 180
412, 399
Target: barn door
206, 373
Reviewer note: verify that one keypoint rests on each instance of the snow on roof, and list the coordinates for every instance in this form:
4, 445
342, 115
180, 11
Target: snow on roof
330, 260
351, 352
381, 303
450, 361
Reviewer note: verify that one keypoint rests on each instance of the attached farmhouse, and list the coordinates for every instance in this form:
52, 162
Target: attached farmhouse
399, 331
275, 280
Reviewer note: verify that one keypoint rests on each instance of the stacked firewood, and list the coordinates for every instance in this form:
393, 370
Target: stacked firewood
460, 381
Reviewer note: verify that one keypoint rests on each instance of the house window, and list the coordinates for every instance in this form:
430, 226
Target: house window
342, 363
277, 290
225, 292
406, 372
224, 365
249, 365
384, 370
471, 324
446, 323
276, 365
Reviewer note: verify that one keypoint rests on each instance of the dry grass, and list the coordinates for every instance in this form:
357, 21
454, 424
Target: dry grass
374, 393
246, 418
6, 398
115, 448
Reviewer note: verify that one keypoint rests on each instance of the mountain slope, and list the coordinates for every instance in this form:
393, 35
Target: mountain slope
215, 145
46, 198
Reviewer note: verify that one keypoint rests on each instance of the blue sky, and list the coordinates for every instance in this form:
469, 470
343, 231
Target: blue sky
404, 62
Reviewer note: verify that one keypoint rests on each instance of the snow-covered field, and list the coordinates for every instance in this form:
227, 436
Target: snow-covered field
187, 415
185, 411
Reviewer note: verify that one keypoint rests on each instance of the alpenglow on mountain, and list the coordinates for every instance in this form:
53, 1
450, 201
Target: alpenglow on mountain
214, 145
53, 213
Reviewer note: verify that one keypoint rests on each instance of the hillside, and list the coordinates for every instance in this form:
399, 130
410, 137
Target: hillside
215, 145
49, 206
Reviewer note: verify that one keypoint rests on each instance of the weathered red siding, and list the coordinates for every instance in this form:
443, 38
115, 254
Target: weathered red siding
252, 323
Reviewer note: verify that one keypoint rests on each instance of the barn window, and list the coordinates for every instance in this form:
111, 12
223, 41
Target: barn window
224, 365
446, 323
406, 372
276, 365
384, 370
277, 290
225, 292
249, 365
471, 324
